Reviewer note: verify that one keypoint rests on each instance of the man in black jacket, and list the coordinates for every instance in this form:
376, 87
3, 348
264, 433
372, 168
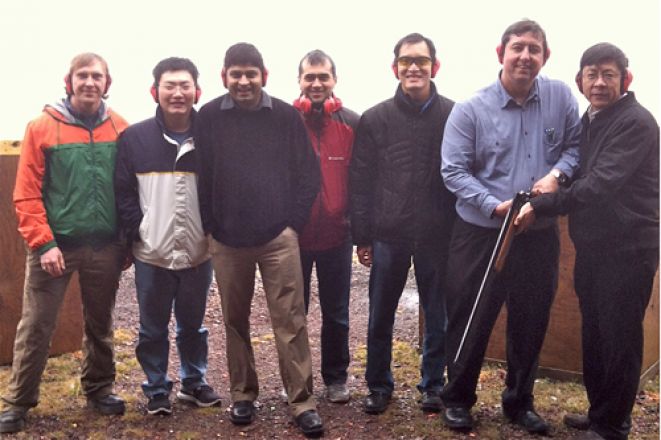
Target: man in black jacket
401, 211
613, 209
258, 178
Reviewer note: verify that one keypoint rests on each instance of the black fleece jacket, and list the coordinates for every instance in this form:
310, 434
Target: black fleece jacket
614, 202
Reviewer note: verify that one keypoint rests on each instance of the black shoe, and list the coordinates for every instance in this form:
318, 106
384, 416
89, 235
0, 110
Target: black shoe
203, 396
431, 401
577, 421
110, 404
376, 402
310, 423
159, 404
530, 421
458, 418
13, 419
242, 412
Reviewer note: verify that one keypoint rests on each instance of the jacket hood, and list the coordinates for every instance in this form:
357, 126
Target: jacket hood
60, 111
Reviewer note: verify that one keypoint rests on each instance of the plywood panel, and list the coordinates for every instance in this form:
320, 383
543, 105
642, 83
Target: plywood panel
68, 334
561, 353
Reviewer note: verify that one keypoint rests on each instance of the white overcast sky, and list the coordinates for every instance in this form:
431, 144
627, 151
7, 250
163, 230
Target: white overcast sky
39, 38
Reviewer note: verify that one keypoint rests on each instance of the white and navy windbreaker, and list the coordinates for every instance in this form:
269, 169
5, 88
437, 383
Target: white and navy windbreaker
156, 195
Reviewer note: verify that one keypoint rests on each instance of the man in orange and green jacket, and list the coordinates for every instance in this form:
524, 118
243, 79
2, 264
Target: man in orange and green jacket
66, 213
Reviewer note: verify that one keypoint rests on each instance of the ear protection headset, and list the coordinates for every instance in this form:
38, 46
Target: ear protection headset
500, 51
265, 75
68, 86
154, 93
625, 82
331, 104
434, 68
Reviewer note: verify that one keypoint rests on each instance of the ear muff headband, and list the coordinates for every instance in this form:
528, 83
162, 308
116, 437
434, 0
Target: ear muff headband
154, 93
68, 85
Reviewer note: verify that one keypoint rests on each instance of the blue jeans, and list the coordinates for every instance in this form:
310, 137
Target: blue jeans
390, 266
158, 290
334, 280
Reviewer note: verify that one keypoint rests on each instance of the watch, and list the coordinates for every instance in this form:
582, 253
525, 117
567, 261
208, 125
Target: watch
560, 177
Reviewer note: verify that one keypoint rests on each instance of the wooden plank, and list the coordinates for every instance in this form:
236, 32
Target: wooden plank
69, 330
561, 355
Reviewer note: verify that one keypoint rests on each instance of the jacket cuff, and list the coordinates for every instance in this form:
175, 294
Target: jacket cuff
41, 250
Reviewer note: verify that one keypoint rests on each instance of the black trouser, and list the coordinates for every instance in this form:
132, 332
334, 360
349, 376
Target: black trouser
527, 285
613, 289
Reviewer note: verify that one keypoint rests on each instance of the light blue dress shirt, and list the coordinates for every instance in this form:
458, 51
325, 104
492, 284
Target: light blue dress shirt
493, 147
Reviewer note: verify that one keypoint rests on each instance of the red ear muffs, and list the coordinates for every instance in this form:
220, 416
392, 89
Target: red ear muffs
435, 67
499, 52
331, 104
303, 104
626, 81
154, 93
68, 86
579, 80
223, 76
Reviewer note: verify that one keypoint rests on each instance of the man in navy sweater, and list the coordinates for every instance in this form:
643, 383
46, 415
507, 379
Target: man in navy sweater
258, 179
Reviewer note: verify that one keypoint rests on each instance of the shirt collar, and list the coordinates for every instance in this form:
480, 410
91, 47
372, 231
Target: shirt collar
505, 98
227, 103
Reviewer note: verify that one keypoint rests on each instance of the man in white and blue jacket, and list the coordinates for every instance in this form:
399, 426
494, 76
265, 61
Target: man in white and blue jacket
156, 193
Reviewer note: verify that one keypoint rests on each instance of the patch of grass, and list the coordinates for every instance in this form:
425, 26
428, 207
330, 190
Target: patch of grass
188, 435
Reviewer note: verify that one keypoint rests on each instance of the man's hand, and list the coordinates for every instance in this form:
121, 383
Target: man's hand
52, 261
547, 184
364, 255
525, 219
502, 208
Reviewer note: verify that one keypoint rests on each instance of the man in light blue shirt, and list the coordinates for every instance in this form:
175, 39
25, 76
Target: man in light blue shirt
521, 133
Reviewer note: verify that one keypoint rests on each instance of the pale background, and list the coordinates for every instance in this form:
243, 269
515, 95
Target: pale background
39, 38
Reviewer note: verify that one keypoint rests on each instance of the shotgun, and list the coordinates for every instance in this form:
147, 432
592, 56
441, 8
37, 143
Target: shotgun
498, 257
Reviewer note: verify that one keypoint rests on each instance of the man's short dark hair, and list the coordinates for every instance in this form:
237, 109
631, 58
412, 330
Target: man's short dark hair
315, 58
603, 53
413, 39
172, 64
520, 28
243, 54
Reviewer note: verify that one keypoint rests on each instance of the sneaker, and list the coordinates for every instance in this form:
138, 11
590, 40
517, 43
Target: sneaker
338, 393
13, 419
431, 401
159, 404
202, 396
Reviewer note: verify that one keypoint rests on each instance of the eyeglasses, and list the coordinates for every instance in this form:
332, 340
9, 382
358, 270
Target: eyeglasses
185, 86
311, 77
421, 62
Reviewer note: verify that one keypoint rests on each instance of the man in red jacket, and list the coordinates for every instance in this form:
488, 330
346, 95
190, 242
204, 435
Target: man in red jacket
325, 241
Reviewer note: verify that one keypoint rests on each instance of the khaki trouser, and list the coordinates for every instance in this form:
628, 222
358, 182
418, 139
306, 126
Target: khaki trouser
280, 266
98, 273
